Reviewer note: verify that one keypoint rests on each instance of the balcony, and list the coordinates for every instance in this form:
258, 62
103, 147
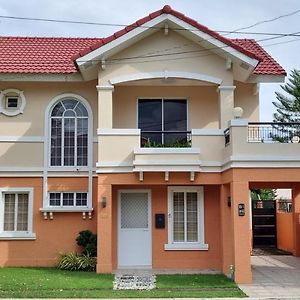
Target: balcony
262, 144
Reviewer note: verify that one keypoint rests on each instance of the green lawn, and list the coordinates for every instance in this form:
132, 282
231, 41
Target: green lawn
53, 283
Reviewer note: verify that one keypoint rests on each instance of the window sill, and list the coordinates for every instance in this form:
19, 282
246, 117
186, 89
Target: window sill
17, 236
66, 209
186, 247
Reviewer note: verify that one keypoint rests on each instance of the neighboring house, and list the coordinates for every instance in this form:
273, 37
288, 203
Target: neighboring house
81, 121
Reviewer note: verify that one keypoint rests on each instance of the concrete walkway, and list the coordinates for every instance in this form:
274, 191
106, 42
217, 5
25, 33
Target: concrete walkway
274, 276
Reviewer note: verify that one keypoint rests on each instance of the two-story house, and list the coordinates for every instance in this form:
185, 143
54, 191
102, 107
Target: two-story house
142, 137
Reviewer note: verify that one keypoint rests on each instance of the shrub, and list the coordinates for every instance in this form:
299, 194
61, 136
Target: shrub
88, 241
75, 262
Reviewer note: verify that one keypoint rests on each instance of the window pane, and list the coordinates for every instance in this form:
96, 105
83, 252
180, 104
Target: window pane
69, 141
56, 129
68, 199
22, 220
150, 119
82, 142
57, 110
178, 217
81, 110
9, 212
69, 113
175, 119
192, 216
81, 199
69, 103
54, 199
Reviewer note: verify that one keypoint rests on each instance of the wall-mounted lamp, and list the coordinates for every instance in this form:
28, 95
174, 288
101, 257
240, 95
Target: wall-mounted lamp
103, 202
229, 201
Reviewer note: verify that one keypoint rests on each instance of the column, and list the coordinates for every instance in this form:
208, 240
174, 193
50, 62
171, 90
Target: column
226, 229
226, 105
296, 219
104, 229
105, 106
241, 232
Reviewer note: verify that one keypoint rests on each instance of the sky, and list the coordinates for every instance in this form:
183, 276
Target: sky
217, 15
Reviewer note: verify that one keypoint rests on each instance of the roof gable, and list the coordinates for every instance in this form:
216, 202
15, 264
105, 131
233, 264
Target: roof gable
156, 21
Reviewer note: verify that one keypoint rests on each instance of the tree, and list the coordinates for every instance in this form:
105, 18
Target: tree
288, 104
263, 194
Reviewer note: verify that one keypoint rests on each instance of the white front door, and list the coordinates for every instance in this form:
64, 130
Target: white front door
134, 229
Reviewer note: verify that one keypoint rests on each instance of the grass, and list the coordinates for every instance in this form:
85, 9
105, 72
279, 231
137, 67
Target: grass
53, 283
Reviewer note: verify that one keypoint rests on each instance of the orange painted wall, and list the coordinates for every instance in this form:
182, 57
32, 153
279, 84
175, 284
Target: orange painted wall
52, 236
210, 259
285, 231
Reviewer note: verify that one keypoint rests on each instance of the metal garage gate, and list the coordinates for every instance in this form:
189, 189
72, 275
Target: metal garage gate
264, 223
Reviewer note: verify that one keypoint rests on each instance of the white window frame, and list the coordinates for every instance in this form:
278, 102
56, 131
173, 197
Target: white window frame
62, 164
198, 245
11, 112
163, 99
73, 207
17, 235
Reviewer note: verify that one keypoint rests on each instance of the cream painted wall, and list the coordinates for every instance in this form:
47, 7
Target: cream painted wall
38, 95
202, 104
197, 59
245, 98
31, 122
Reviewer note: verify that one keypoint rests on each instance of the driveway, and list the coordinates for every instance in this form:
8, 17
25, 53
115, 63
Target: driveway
274, 276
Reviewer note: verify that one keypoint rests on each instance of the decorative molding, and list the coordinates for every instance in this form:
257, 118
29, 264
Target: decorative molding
207, 132
164, 75
186, 247
21, 102
266, 78
105, 88
167, 163
118, 131
42, 77
22, 139
238, 123
109, 164
163, 151
226, 88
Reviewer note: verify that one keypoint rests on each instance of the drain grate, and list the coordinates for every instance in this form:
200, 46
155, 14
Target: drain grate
134, 282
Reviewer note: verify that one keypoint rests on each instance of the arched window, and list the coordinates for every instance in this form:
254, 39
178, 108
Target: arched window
69, 134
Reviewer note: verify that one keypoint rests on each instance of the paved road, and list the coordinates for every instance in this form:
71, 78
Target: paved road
274, 276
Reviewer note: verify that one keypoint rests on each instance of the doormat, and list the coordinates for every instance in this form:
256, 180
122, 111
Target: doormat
134, 282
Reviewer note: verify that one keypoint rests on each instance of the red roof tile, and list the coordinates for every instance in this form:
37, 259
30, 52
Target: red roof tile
57, 55
41, 55
268, 66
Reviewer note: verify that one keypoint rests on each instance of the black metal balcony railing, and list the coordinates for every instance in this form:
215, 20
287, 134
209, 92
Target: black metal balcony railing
163, 139
273, 132
227, 136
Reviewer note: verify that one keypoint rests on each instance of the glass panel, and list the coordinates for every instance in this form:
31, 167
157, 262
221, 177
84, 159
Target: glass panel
54, 199
69, 142
81, 110
82, 142
178, 217
56, 129
150, 119
69, 103
134, 210
192, 216
69, 113
22, 220
175, 119
68, 199
81, 199
58, 110
9, 212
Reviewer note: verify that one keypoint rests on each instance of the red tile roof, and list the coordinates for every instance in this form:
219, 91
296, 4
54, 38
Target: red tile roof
34, 55
268, 66
41, 55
